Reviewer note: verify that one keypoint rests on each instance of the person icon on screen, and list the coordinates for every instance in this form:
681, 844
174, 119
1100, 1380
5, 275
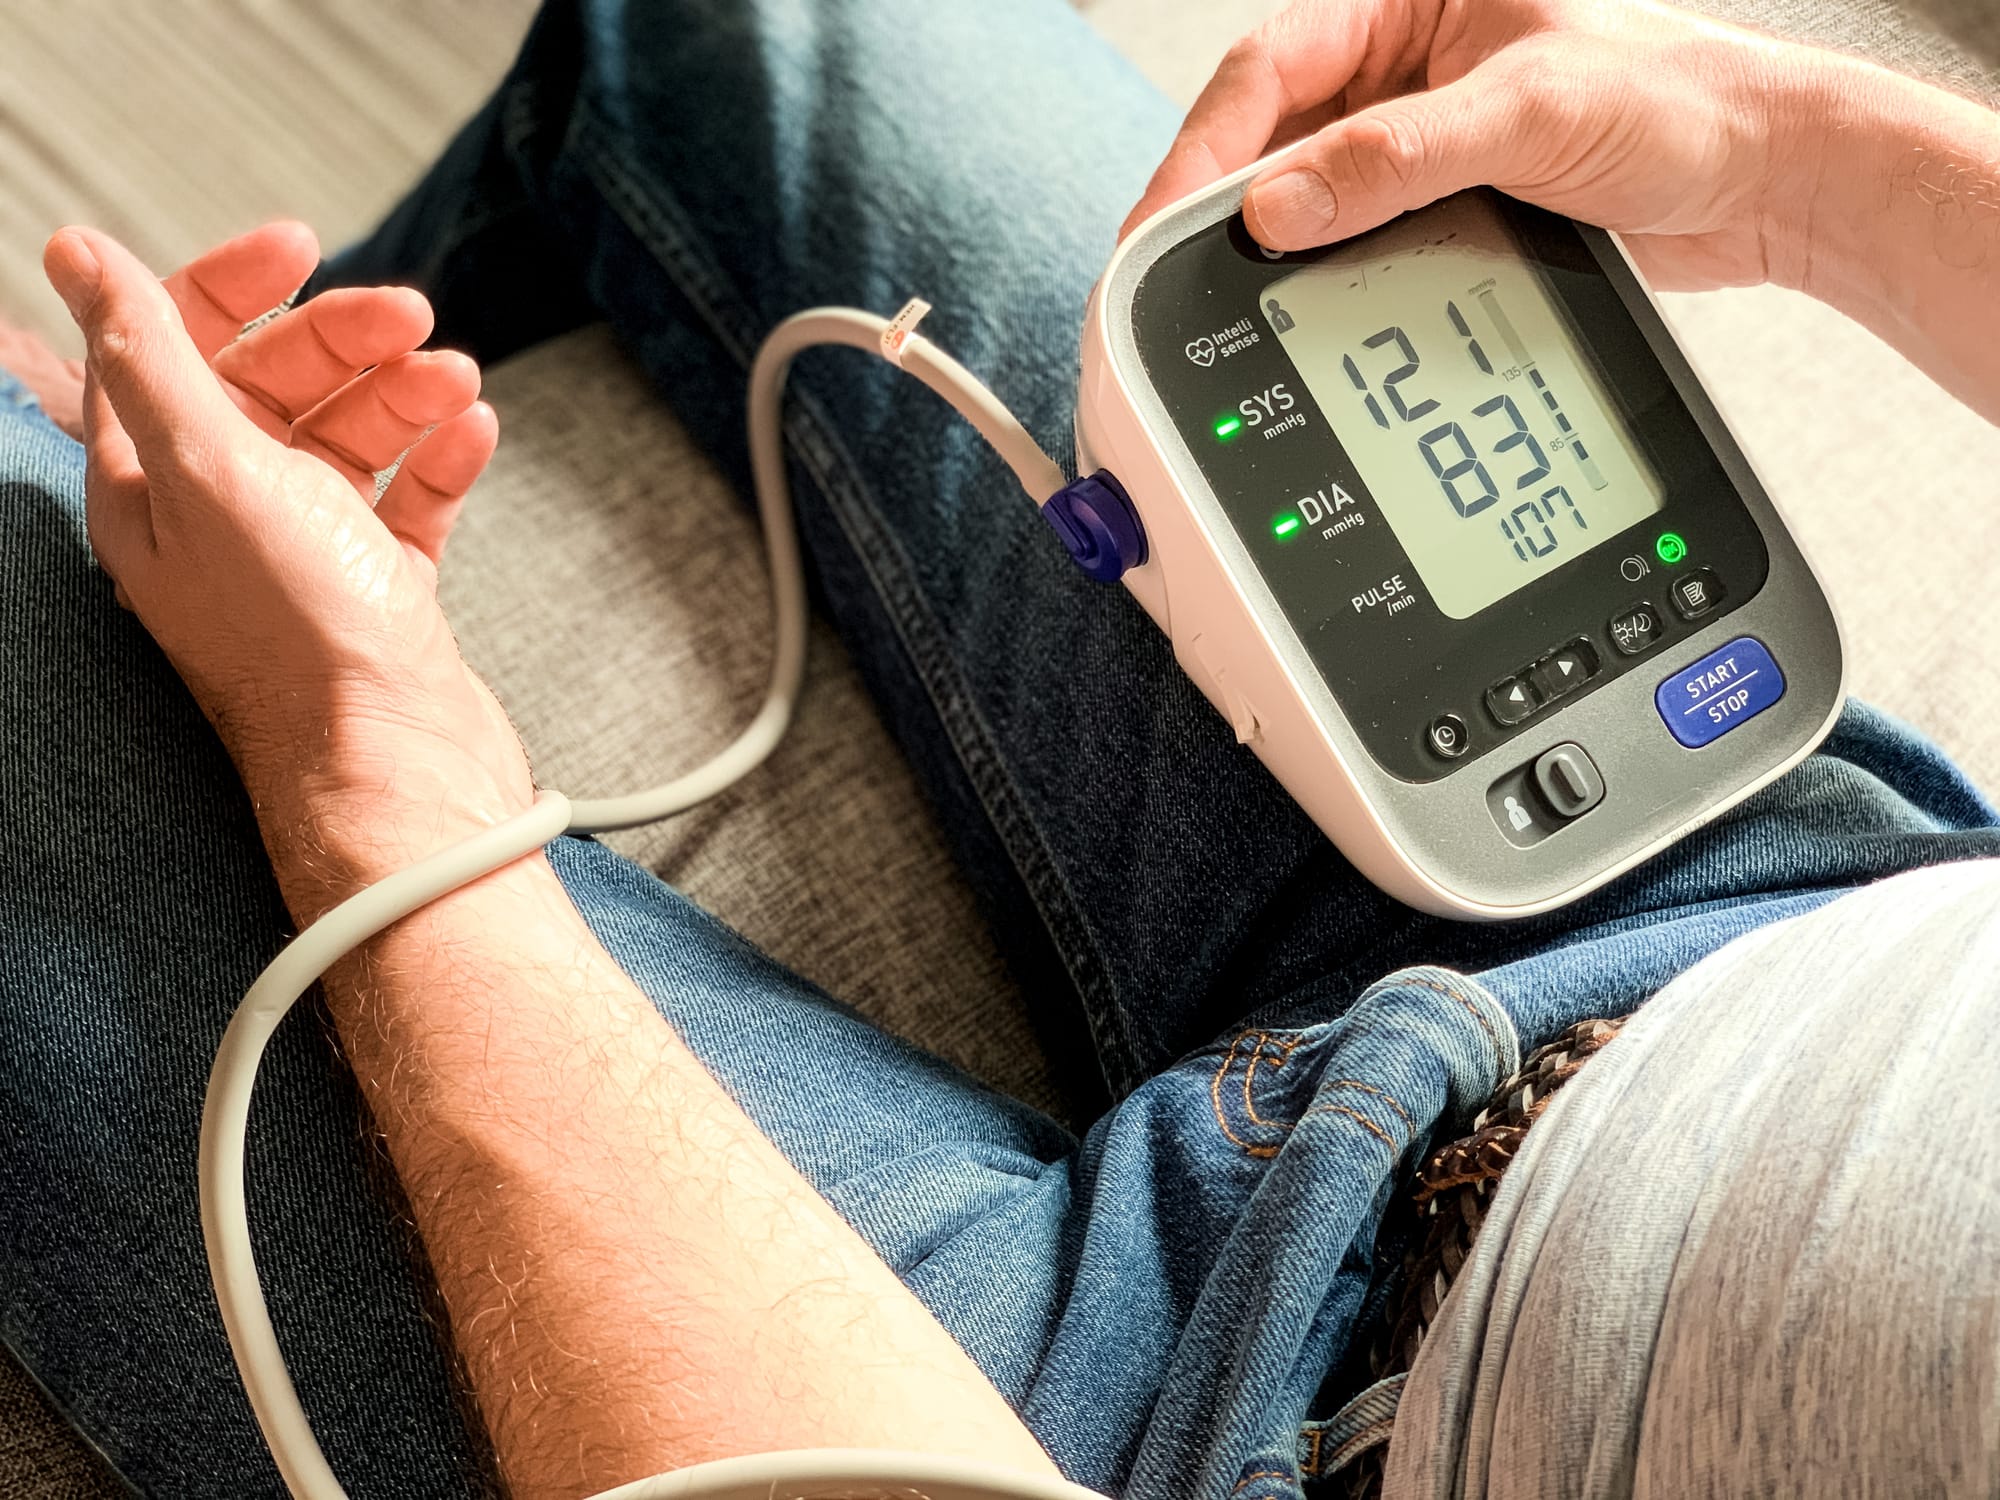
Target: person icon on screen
1281, 321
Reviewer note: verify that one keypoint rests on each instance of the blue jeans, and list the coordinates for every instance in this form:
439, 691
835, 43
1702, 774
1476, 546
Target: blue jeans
1170, 1298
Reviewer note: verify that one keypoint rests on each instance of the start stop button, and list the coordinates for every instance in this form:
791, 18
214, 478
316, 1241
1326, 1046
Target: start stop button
1720, 691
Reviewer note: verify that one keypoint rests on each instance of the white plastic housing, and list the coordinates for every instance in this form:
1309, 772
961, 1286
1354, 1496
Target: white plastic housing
1434, 846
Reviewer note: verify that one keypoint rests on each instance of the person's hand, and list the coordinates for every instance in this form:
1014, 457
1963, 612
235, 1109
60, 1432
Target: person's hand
1635, 116
57, 383
230, 495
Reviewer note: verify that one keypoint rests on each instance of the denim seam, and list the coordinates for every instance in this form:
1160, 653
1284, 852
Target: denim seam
650, 220
1249, 1479
653, 219
471, 228
1485, 1025
1350, 1112
1503, 1039
86, 1436
1022, 1182
1259, 1151
1257, 1054
1285, 1050
1256, 1047
1490, 1017
1383, 1094
516, 126
520, 119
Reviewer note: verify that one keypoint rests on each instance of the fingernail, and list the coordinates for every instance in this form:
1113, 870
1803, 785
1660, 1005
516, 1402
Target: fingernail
76, 276
1295, 205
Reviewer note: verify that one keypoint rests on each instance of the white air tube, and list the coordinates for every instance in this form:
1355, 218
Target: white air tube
226, 1111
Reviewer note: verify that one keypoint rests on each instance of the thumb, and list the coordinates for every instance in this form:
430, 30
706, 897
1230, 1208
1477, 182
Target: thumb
158, 385
1361, 172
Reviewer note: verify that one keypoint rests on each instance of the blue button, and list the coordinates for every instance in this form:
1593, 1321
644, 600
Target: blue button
1719, 692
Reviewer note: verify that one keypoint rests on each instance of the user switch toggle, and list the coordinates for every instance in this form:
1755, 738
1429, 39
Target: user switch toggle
1543, 796
1567, 781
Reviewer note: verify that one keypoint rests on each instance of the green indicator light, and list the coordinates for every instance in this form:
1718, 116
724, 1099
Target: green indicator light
1227, 426
1670, 547
1285, 525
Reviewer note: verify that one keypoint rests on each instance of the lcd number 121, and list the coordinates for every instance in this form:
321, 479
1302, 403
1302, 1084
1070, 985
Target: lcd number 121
1530, 526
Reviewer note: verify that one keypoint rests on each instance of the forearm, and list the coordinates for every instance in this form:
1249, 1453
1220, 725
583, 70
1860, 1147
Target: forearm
1887, 206
636, 1278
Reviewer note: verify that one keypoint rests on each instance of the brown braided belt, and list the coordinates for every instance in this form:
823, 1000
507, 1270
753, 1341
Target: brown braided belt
1454, 1187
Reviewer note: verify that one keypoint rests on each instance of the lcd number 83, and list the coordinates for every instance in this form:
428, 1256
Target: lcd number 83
1530, 525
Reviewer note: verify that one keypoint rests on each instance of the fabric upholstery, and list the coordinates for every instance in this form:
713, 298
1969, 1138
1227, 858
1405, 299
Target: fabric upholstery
646, 649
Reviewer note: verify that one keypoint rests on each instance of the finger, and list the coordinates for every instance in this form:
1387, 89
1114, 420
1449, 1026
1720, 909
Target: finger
108, 452
241, 279
156, 383
1363, 171
292, 363
117, 519
362, 427
1301, 60
423, 501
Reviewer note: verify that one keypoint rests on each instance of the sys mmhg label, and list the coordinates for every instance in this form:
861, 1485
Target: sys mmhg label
1726, 687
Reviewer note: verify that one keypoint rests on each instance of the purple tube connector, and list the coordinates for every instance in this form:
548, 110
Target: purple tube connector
1098, 524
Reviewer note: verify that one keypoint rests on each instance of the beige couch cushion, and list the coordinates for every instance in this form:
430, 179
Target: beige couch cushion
612, 590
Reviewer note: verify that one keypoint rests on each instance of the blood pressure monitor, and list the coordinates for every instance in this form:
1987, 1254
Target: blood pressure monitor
1444, 524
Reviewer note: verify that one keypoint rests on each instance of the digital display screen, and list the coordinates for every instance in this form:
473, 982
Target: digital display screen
1465, 402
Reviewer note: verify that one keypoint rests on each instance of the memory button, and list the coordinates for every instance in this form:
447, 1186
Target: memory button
1697, 593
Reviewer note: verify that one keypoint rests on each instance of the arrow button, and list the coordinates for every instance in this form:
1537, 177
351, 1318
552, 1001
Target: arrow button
1566, 670
1512, 701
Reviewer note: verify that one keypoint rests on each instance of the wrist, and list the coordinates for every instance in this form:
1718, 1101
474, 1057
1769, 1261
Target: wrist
330, 833
354, 781
1806, 95
1875, 192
